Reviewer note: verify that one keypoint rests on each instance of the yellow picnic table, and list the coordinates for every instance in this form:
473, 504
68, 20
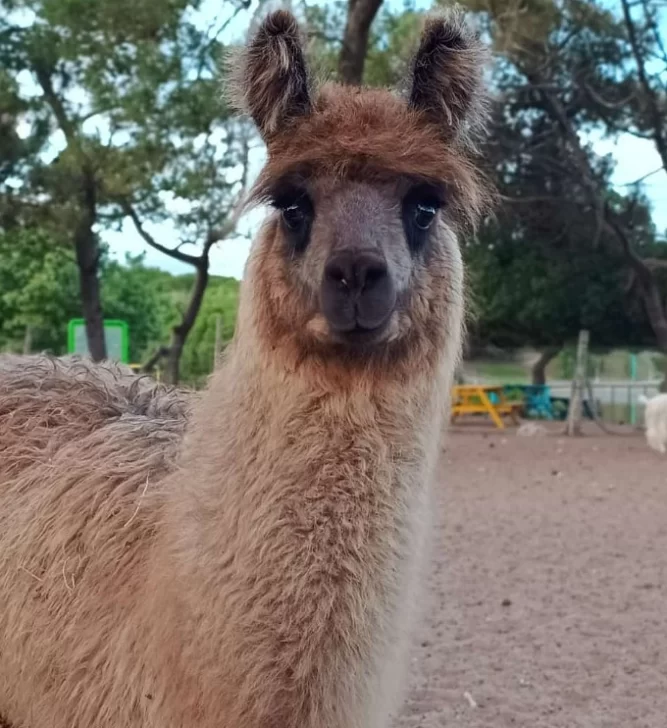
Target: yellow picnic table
486, 399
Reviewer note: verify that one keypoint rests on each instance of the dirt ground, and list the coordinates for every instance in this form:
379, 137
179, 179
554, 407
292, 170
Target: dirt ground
547, 591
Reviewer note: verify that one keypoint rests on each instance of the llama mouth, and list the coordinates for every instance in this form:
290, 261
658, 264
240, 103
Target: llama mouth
355, 337
361, 336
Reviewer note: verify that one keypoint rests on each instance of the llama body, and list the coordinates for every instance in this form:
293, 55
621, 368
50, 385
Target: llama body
115, 569
655, 418
252, 562
331, 527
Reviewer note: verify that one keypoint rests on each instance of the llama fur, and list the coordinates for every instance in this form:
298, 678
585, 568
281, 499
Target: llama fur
248, 556
655, 419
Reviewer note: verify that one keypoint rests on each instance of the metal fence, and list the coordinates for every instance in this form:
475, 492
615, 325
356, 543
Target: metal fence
616, 400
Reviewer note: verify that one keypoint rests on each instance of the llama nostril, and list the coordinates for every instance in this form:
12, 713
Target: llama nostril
339, 272
356, 271
372, 275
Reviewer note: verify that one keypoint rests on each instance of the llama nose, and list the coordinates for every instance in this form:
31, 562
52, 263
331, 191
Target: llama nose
357, 291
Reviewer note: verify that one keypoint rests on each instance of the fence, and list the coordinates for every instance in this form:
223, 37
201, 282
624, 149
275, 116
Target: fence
617, 401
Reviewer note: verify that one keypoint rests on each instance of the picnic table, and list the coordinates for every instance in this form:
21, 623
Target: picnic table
488, 399
536, 398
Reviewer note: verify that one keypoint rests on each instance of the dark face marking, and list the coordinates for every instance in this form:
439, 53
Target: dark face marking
420, 208
419, 201
297, 213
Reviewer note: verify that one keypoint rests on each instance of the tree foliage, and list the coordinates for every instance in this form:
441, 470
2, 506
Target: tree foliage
128, 92
128, 97
38, 290
38, 293
565, 70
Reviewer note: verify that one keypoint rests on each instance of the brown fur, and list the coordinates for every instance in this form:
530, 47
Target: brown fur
252, 564
273, 66
373, 135
447, 78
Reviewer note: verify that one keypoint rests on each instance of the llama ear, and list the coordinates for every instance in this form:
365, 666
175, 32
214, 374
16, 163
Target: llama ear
270, 80
447, 75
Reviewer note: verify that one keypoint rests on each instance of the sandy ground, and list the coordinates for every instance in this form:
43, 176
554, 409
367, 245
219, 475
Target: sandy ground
548, 586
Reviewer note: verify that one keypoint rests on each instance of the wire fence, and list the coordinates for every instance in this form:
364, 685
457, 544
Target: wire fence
616, 401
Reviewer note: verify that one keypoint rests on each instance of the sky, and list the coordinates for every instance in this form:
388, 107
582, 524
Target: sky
635, 158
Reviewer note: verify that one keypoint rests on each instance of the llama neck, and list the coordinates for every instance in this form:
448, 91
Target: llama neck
256, 419
292, 525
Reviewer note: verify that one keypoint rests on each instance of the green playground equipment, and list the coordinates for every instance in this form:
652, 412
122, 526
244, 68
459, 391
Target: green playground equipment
116, 336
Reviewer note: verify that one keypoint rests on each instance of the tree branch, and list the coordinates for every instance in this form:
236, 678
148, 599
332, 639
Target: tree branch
217, 234
611, 105
160, 353
654, 109
641, 179
642, 271
655, 263
656, 33
530, 200
558, 113
55, 102
129, 210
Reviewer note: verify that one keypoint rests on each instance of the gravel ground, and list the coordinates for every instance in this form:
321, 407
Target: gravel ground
547, 587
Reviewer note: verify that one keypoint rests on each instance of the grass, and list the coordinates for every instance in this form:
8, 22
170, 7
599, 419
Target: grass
498, 372
516, 368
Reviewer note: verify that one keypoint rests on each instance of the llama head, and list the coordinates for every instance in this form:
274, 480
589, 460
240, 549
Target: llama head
368, 188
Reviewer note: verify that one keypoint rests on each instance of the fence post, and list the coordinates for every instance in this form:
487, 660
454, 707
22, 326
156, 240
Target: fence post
633, 377
576, 393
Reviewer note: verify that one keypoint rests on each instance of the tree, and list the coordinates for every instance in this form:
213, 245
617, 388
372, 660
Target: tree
74, 47
646, 112
567, 64
348, 40
142, 297
200, 183
643, 114
190, 313
360, 15
125, 85
528, 291
206, 173
220, 304
38, 287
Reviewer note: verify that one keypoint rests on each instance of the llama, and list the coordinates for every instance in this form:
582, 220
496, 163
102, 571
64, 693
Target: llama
249, 558
655, 418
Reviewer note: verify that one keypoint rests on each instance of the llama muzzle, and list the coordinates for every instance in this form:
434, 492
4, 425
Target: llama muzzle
357, 294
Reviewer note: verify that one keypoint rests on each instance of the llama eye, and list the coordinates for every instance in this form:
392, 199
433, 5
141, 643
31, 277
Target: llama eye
294, 217
424, 215
296, 212
420, 207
